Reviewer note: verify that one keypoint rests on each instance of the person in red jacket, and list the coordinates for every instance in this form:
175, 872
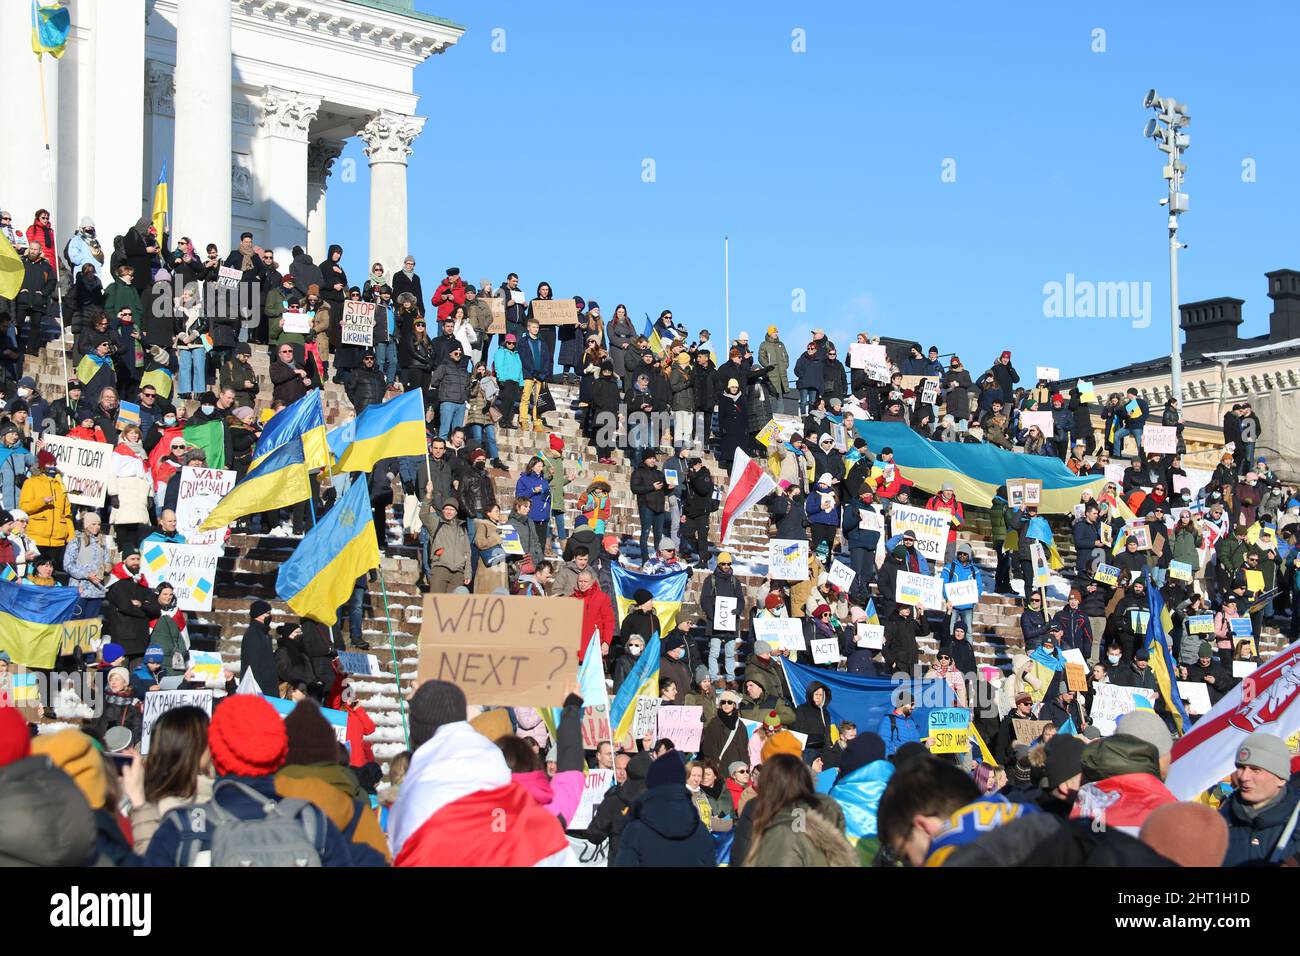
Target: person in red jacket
450, 294
597, 615
946, 500
41, 233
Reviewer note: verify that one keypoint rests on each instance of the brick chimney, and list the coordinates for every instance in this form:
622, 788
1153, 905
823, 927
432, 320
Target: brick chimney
1284, 290
1211, 325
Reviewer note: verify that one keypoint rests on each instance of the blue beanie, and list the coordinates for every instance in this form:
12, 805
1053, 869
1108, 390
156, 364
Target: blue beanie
110, 652
666, 771
153, 654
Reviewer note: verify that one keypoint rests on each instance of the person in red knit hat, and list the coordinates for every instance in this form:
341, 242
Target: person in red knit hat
248, 743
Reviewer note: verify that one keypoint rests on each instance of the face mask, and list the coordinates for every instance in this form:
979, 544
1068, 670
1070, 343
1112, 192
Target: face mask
51, 471
1113, 658
207, 409
169, 421
480, 465
24, 392
634, 651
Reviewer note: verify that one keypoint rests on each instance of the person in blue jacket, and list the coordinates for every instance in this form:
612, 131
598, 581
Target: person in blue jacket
665, 829
1263, 811
962, 568
823, 510
897, 727
537, 490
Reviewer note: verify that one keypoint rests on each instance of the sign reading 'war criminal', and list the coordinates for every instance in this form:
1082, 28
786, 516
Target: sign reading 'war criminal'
85, 466
509, 651
358, 325
200, 490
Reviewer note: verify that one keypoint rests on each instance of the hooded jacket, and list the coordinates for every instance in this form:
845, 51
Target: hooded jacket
813, 720
666, 830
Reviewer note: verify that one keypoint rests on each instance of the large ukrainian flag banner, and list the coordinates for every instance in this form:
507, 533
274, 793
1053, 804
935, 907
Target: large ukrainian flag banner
303, 419
976, 471
320, 575
31, 621
278, 481
641, 681
389, 430
667, 590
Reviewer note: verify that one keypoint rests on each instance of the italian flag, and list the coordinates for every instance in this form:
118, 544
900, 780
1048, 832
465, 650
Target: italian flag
458, 806
750, 484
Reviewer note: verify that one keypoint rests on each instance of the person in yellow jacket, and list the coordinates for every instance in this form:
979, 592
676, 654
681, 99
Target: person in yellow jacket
49, 514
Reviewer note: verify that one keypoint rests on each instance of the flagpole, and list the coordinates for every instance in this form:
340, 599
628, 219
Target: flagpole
726, 283
392, 646
51, 175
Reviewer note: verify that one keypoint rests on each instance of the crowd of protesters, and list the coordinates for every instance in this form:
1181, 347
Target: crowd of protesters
142, 327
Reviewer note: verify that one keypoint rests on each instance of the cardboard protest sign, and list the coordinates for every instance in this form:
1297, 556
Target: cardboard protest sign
646, 722
1076, 677
825, 650
787, 560
1042, 419
930, 527
228, 277
1110, 702
1200, 624
1027, 731
962, 593
1114, 472
1046, 373
85, 633
158, 702
595, 726
1180, 571
358, 324
840, 575
497, 307
191, 569
128, 412
355, 662
919, 590
1160, 439
871, 636
724, 614
199, 491
502, 650
769, 433
595, 785
1196, 695
297, 321
510, 542
23, 691
1247, 642
949, 730
683, 726
785, 632
85, 467
555, 311
1106, 574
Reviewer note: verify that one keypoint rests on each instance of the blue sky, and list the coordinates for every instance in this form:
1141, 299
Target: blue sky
825, 167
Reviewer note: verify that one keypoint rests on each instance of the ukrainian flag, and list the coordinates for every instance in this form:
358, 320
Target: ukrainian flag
303, 419
388, 430
159, 216
1159, 626
668, 591
320, 575
12, 270
50, 26
31, 621
872, 616
976, 471
278, 481
660, 334
641, 681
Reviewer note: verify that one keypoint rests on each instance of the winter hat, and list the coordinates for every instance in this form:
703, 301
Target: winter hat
1145, 725
771, 719
15, 739
610, 541
782, 742
478, 454
435, 703
1141, 654
674, 641
863, 749
258, 608
111, 652
1266, 752
556, 442
1006, 355
729, 695
736, 765
641, 596
761, 648
908, 752
153, 654
772, 602
701, 674
1190, 834
247, 737
1064, 754
1119, 754
120, 672
76, 755
311, 739
666, 771
45, 459
1024, 697
1205, 650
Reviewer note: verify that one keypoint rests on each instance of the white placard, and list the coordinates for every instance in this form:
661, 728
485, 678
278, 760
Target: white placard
646, 721
85, 467
921, 590
871, 636
228, 277
1045, 373
787, 560
1111, 702
825, 650
1196, 695
158, 702
1038, 560
862, 355
841, 575
724, 615
200, 490
594, 787
930, 527
1160, 439
1074, 656
358, 323
191, 569
962, 593
1042, 419
871, 520
1114, 473
1242, 669
296, 321
780, 632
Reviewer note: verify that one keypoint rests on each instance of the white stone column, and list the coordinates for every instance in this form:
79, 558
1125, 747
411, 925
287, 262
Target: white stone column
25, 181
118, 159
388, 145
285, 118
321, 154
159, 136
201, 204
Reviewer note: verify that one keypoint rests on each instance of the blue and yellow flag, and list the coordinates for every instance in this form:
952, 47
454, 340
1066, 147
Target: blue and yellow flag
31, 621
661, 333
872, 616
50, 26
391, 429
277, 481
641, 681
305, 420
159, 217
1161, 660
12, 270
976, 471
320, 575
667, 590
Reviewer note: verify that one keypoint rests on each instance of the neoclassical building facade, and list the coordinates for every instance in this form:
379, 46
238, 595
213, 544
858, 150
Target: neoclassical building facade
248, 103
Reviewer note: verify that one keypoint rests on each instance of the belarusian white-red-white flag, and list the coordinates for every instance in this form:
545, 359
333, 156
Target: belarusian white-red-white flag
750, 483
1267, 700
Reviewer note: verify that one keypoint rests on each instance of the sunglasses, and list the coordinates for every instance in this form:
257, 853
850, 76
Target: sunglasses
727, 703
178, 447
742, 773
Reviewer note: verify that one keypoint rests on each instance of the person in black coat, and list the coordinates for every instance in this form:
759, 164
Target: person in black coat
305, 272
139, 246
1211, 670
665, 828
901, 650
732, 422
255, 651
292, 665
366, 386
334, 287
318, 646
812, 718
407, 279
960, 650
131, 606
615, 810
602, 413
699, 506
